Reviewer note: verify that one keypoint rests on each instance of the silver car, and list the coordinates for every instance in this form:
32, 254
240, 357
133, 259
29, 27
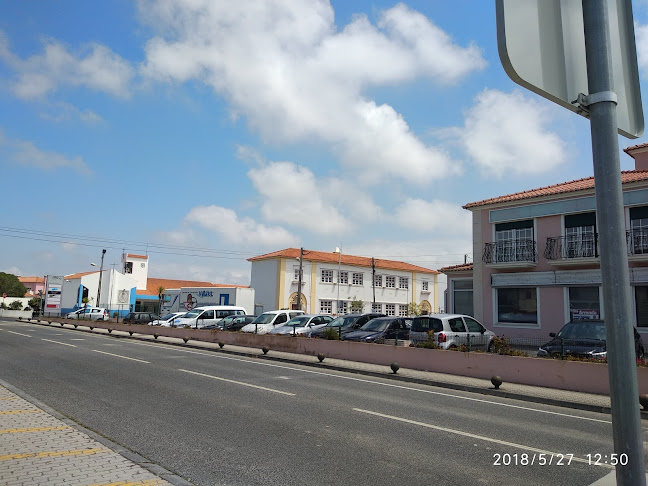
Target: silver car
303, 325
451, 331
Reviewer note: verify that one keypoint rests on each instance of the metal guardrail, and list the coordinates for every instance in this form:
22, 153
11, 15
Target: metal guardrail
567, 247
510, 251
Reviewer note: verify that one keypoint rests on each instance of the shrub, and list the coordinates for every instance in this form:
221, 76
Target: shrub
330, 333
16, 305
3, 305
430, 343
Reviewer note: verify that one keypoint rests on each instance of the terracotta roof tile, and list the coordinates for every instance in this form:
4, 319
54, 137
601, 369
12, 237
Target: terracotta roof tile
562, 188
321, 256
457, 268
627, 150
130, 255
31, 279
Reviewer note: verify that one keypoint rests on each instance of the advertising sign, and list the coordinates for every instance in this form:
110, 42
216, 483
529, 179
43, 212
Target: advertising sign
53, 286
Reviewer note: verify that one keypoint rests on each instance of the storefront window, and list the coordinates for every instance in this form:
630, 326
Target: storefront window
641, 300
462, 297
584, 303
517, 305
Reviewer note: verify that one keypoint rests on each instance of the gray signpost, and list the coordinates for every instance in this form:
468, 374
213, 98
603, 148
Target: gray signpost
563, 37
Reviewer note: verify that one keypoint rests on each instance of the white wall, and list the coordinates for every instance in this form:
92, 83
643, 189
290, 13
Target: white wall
263, 280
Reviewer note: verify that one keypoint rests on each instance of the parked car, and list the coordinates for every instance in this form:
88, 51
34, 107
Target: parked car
269, 320
89, 314
207, 316
381, 328
140, 317
347, 323
235, 323
451, 331
584, 338
303, 325
166, 320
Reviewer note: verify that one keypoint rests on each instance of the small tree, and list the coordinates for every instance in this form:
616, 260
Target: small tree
414, 309
10, 285
357, 305
34, 303
15, 305
160, 291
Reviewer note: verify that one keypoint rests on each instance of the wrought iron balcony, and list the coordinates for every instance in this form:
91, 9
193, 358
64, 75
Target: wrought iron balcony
637, 240
570, 247
510, 251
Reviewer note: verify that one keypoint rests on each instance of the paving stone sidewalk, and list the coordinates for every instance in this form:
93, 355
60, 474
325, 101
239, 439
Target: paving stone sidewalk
37, 448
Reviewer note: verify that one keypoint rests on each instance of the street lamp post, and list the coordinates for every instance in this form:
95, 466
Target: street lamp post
103, 253
338, 250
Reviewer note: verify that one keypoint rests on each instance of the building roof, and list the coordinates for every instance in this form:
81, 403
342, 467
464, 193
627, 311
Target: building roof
79, 275
557, 189
31, 279
332, 257
152, 285
130, 255
464, 267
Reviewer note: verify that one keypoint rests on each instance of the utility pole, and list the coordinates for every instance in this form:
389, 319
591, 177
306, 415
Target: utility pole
299, 281
103, 253
373, 282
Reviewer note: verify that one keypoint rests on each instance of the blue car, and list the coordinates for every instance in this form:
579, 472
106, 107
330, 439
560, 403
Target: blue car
381, 328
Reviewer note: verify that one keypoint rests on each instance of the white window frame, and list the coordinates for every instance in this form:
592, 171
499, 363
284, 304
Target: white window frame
343, 277
390, 282
425, 286
327, 275
403, 310
378, 280
403, 283
377, 307
326, 307
357, 278
390, 310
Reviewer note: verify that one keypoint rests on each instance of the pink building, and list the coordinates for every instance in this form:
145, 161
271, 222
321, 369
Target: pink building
536, 256
34, 285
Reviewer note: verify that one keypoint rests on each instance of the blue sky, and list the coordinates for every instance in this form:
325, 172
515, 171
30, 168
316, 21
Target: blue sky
207, 132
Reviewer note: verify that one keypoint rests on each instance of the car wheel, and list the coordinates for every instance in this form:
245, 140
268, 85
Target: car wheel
491, 347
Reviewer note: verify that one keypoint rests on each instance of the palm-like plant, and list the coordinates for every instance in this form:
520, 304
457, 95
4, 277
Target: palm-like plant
160, 291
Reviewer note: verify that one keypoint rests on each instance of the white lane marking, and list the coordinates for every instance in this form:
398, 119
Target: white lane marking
77, 339
58, 342
120, 356
392, 385
238, 382
480, 437
19, 333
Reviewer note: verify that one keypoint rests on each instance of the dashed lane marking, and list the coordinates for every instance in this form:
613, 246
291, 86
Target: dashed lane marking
58, 342
120, 356
238, 382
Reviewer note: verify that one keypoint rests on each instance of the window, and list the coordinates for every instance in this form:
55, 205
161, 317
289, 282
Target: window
128, 267
584, 303
343, 307
518, 305
456, 324
377, 280
473, 326
403, 282
580, 235
208, 314
403, 310
343, 277
639, 230
641, 304
514, 242
377, 308
296, 277
357, 278
327, 276
390, 282
424, 285
326, 306
462, 297
390, 309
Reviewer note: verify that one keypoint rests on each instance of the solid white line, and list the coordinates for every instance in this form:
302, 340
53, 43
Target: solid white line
480, 437
19, 333
238, 382
57, 342
120, 356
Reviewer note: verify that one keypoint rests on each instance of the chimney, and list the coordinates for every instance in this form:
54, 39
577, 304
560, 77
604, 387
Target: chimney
640, 155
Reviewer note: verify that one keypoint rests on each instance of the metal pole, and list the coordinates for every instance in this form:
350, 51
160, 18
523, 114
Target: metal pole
373, 279
299, 281
103, 253
337, 306
615, 276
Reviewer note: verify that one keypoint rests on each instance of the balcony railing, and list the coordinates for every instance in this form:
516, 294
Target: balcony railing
569, 247
637, 240
510, 251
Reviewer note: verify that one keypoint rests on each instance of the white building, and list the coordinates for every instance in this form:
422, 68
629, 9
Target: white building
118, 291
331, 281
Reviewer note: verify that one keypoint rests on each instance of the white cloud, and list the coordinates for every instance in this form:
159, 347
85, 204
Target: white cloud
12, 270
27, 154
293, 196
95, 67
294, 76
440, 217
69, 247
60, 112
208, 270
233, 229
510, 134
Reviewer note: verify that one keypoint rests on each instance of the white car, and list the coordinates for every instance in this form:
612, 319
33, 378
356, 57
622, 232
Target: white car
208, 316
89, 314
303, 325
167, 320
451, 331
269, 320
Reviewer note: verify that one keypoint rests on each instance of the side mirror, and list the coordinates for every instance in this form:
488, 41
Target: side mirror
552, 334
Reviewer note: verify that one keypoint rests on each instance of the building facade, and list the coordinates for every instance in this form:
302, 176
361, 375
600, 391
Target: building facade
332, 282
536, 255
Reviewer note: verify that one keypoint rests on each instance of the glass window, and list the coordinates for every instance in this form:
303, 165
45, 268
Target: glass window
344, 307
403, 282
462, 297
403, 310
208, 314
390, 309
639, 230
344, 278
580, 235
424, 285
584, 303
378, 281
641, 301
390, 282
517, 305
472, 325
514, 242
457, 325
297, 274
376, 307
327, 276
357, 278
326, 306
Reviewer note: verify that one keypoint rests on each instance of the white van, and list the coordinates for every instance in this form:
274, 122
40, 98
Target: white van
206, 317
267, 321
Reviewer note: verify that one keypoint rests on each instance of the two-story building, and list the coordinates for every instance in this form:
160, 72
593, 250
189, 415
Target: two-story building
536, 255
330, 282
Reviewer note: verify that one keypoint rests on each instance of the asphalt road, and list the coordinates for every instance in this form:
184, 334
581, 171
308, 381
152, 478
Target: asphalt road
215, 418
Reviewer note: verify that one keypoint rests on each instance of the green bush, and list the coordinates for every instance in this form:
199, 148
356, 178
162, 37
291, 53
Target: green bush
430, 343
16, 305
330, 333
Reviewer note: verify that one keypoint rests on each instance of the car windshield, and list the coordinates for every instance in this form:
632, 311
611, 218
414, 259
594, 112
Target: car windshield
342, 321
264, 318
376, 325
299, 321
427, 324
583, 330
168, 317
192, 314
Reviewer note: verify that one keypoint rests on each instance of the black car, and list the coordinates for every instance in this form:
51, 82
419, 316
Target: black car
585, 338
231, 323
382, 328
347, 323
140, 317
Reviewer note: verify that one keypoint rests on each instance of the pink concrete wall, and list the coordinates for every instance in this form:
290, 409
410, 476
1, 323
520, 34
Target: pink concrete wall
566, 375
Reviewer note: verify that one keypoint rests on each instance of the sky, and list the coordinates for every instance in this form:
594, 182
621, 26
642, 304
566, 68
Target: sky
205, 132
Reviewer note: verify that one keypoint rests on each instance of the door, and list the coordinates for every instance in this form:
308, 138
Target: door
224, 299
207, 318
476, 332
